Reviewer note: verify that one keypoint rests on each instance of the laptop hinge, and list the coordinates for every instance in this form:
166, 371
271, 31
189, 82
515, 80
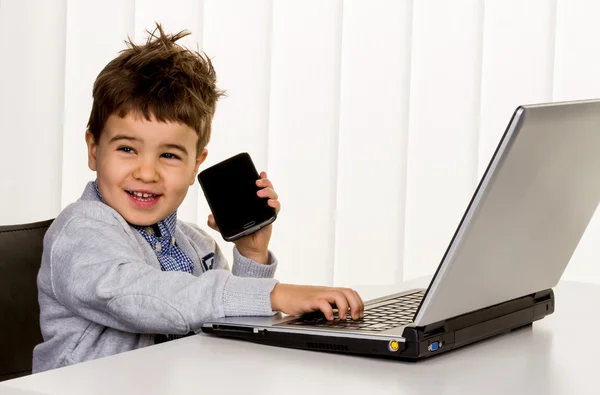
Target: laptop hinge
543, 296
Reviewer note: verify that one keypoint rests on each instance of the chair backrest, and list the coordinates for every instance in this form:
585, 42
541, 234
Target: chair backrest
20, 259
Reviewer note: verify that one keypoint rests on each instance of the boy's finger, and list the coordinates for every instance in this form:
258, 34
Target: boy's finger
362, 305
268, 193
354, 301
325, 308
275, 204
212, 223
341, 302
264, 183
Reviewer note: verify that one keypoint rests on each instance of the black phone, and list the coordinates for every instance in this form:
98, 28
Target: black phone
230, 190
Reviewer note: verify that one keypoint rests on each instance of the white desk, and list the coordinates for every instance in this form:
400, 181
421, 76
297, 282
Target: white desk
4, 390
558, 355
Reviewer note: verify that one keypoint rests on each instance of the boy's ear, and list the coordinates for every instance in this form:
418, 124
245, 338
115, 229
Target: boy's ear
92, 146
199, 159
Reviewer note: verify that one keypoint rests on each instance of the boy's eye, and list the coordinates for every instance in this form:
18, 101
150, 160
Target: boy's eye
168, 155
126, 149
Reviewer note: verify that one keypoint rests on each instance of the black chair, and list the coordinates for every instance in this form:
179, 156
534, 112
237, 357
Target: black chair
20, 259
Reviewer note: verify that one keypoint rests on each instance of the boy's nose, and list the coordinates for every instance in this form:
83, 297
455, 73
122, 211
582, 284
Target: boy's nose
146, 171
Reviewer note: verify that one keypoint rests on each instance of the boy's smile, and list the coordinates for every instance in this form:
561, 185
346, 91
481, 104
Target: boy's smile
144, 199
144, 168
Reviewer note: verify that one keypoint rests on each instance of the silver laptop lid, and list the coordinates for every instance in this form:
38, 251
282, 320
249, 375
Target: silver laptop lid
529, 212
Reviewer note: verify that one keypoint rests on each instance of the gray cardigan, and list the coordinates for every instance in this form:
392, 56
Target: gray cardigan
102, 291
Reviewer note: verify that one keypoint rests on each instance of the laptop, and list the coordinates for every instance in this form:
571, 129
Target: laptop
511, 247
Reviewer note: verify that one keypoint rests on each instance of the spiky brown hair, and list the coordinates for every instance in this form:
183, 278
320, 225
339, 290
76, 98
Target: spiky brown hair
160, 79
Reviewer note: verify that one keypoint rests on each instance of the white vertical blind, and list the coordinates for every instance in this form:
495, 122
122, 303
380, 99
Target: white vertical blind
374, 94
32, 80
374, 118
303, 134
443, 126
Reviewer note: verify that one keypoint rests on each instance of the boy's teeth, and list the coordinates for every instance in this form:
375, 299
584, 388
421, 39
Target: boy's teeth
144, 195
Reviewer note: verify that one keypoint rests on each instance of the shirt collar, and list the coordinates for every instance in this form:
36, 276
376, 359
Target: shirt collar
166, 226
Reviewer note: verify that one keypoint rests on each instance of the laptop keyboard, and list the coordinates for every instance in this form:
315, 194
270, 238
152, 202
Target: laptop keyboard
392, 313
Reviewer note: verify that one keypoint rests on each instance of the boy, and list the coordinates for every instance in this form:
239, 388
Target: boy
119, 271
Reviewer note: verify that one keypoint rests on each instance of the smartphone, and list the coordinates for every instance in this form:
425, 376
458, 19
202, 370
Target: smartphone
230, 190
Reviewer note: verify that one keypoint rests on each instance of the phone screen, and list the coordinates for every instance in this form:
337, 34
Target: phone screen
230, 189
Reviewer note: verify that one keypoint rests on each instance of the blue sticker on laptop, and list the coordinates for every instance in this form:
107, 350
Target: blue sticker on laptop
208, 262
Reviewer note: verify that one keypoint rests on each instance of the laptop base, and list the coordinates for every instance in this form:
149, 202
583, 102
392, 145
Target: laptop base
418, 342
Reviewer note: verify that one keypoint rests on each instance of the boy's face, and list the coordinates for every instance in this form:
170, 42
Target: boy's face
144, 168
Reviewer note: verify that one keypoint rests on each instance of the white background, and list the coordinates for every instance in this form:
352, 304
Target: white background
374, 118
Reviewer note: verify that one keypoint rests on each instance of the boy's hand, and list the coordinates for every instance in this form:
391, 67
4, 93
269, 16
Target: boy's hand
256, 245
301, 299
